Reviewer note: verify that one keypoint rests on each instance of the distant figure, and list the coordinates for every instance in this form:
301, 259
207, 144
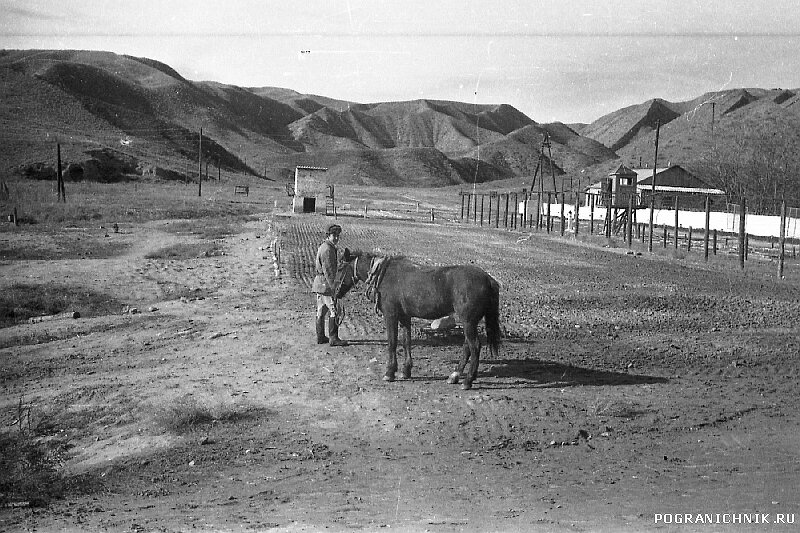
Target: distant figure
326, 266
570, 221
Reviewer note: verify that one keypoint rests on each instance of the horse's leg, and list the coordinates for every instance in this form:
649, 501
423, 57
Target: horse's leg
405, 322
454, 377
391, 333
471, 335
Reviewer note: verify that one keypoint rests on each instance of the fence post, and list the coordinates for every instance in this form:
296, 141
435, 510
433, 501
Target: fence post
577, 210
461, 193
715, 242
689, 240
665, 236
482, 199
505, 214
563, 200
676, 222
782, 242
538, 211
592, 201
497, 214
708, 224
549, 198
742, 244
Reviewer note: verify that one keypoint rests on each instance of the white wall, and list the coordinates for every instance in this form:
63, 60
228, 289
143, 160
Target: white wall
760, 225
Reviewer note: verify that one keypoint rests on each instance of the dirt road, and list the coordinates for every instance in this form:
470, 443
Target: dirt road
630, 392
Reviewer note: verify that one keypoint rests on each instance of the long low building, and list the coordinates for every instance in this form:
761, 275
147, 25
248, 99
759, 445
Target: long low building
671, 182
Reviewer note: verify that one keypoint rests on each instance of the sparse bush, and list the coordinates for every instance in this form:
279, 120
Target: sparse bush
184, 251
28, 463
184, 413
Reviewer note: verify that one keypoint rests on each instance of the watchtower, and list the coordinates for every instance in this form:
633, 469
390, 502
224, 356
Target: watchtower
618, 188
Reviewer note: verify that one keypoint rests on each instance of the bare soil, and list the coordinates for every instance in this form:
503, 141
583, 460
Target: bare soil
628, 386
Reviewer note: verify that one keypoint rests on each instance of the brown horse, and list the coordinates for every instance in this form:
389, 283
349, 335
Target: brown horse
402, 290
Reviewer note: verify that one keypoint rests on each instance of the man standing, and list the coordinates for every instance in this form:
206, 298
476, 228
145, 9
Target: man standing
326, 265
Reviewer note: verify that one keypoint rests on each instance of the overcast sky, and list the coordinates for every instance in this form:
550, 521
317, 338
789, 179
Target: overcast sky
565, 60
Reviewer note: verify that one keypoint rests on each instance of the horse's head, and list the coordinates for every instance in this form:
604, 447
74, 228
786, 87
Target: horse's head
347, 275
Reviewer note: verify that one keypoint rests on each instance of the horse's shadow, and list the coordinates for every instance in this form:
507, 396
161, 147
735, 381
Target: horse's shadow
549, 374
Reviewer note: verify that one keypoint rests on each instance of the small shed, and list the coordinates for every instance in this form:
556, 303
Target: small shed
311, 190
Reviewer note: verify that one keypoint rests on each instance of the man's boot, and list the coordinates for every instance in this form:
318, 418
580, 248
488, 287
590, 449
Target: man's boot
333, 331
321, 338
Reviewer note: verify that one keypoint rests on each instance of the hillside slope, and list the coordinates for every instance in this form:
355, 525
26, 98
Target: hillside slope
146, 113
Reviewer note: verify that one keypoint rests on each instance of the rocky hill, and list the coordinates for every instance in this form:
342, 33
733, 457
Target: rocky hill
145, 113
117, 117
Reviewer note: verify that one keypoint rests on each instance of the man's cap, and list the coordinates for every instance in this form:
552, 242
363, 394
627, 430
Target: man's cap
334, 229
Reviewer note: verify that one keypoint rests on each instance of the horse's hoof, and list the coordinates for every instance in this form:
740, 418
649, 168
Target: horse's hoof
388, 378
404, 375
466, 385
453, 379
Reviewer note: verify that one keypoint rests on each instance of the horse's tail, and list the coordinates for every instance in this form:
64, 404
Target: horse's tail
492, 317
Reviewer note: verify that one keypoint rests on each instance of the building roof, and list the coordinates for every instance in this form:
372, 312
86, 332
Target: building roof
673, 179
622, 170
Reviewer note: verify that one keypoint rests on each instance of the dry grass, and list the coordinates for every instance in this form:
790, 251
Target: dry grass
107, 203
185, 413
20, 301
28, 463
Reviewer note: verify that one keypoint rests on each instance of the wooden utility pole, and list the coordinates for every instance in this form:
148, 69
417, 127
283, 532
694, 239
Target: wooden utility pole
653, 190
62, 195
200, 165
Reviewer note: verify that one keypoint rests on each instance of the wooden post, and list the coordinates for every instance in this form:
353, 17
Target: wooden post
461, 193
592, 201
653, 189
689, 240
200, 165
469, 204
708, 226
483, 197
538, 211
549, 198
782, 241
609, 217
630, 222
563, 200
524, 209
433, 217
676, 222
62, 196
742, 244
514, 221
475, 209
665, 235
505, 213
577, 208
489, 216
497, 215
715, 242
